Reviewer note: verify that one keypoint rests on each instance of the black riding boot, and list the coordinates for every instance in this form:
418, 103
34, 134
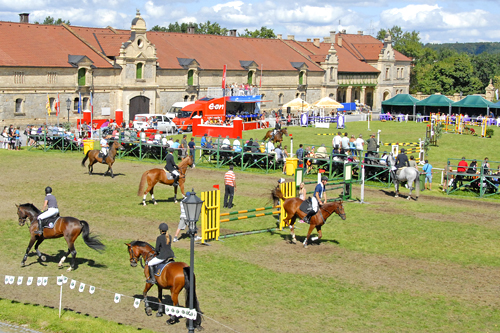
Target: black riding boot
307, 218
176, 181
152, 279
40, 228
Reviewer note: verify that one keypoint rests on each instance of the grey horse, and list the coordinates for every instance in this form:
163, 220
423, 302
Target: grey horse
408, 174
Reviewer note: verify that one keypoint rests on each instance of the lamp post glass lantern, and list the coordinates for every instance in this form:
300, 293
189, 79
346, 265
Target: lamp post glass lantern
192, 207
68, 106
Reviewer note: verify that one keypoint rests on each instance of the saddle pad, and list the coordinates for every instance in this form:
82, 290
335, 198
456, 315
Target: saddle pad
306, 206
169, 175
159, 268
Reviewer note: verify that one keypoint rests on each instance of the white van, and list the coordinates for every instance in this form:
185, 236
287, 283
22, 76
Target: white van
176, 108
159, 122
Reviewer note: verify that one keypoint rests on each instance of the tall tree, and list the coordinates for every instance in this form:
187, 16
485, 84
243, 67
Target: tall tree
51, 21
264, 32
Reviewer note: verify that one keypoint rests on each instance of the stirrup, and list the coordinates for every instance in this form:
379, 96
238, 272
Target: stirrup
39, 232
175, 184
151, 280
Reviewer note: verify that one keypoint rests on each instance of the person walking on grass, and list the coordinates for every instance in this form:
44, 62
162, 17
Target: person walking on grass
230, 187
183, 222
428, 175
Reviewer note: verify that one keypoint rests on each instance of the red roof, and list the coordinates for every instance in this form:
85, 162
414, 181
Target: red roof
104, 39
213, 52
37, 45
369, 47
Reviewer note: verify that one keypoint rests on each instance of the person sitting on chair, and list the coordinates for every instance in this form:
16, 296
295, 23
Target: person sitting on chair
163, 251
319, 192
49, 207
172, 167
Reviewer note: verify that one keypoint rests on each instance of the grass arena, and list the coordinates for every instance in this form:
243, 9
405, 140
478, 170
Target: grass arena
392, 265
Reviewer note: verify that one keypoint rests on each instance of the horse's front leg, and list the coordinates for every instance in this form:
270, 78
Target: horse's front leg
292, 231
111, 171
147, 308
161, 307
396, 189
311, 228
175, 194
28, 249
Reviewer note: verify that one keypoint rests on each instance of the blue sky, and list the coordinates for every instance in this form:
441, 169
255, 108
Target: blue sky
437, 21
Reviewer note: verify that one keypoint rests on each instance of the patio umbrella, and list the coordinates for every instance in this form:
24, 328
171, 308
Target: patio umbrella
297, 104
327, 102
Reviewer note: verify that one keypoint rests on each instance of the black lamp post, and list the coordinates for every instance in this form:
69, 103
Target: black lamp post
68, 106
192, 207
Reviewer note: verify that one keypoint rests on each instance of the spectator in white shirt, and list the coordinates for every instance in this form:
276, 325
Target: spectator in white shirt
359, 145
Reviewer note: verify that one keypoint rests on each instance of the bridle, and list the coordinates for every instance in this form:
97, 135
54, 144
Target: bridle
333, 211
135, 259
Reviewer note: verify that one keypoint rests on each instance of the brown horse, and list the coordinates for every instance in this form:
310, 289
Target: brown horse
174, 276
154, 176
292, 210
278, 137
93, 156
68, 227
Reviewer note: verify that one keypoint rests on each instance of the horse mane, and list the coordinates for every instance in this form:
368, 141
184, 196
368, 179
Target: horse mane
32, 207
140, 243
184, 161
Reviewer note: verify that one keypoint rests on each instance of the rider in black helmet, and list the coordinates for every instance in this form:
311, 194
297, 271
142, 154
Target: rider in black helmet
171, 167
163, 251
49, 207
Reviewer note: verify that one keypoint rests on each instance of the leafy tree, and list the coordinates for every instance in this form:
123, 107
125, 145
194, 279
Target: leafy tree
51, 21
207, 28
486, 66
264, 32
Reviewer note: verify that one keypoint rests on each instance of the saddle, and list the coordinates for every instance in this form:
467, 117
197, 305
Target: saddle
103, 156
306, 206
50, 222
169, 174
159, 268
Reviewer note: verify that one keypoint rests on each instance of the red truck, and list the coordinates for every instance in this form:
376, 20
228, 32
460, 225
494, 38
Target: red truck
209, 108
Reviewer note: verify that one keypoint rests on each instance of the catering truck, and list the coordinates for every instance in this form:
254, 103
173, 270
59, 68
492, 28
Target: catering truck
218, 108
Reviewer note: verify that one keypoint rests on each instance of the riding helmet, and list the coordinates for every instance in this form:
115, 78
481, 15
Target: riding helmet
163, 227
324, 178
170, 150
48, 190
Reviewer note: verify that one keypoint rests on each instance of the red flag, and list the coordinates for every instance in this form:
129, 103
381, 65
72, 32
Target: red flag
58, 105
224, 77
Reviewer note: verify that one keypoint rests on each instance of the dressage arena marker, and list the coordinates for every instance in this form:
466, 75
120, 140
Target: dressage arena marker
211, 215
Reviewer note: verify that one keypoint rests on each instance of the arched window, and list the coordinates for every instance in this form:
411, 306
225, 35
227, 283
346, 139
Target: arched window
250, 77
332, 72
280, 99
19, 105
138, 72
332, 96
303, 96
297, 95
85, 104
186, 98
193, 98
190, 77
75, 104
301, 78
81, 76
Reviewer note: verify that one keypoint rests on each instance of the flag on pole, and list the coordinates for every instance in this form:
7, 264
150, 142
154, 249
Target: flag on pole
47, 106
224, 77
91, 103
496, 93
260, 79
79, 102
57, 105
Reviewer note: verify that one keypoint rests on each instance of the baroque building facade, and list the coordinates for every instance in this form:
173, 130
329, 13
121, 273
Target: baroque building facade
142, 71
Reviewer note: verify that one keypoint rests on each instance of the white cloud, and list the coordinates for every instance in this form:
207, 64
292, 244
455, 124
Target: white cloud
232, 4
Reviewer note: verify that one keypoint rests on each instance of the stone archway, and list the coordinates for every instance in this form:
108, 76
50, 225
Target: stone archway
387, 95
138, 104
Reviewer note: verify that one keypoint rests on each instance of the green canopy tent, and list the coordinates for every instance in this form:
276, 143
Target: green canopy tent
472, 103
400, 103
436, 102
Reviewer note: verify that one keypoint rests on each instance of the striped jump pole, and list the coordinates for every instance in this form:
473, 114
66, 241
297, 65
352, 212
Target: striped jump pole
236, 218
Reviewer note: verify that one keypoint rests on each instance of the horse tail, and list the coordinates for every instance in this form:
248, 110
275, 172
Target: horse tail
85, 158
92, 241
417, 183
142, 183
199, 317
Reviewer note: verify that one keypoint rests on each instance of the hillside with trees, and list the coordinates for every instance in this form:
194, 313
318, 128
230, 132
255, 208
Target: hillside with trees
443, 69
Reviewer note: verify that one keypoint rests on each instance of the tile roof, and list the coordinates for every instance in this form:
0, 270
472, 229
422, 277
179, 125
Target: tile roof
108, 39
213, 52
37, 45
369, 47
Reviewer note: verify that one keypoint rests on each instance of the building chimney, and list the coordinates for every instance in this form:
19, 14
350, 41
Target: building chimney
291, 37
232, 33
24, 17
316, 42
190, 30
339, 40
279, 36
309, 39
360, 32
327, 39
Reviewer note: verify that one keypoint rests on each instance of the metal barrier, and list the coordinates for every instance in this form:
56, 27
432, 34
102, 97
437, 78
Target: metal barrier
211, 215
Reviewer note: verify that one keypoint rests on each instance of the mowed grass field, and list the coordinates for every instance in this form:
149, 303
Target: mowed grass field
391, 266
